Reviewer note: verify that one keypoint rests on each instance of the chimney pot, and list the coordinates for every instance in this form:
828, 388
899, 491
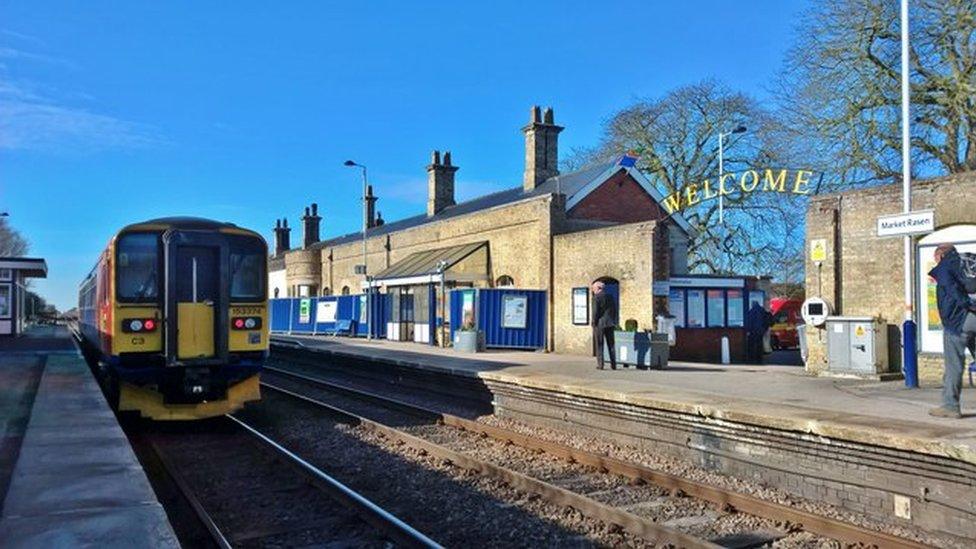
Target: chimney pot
315, 209
310, 225
440, 184
541, 149
435, 158
306, 211
534, 117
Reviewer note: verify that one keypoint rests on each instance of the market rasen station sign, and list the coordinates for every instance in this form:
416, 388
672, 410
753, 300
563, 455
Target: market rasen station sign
918, 222
785, 181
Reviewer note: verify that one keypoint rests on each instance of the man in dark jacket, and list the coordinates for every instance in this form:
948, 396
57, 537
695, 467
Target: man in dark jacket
604, 323
955, 312
757, 322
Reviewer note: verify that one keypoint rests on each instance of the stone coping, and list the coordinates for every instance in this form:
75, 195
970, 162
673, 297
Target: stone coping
948, 438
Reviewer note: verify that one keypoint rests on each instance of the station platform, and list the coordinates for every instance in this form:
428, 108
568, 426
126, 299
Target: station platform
68, 476
854, 443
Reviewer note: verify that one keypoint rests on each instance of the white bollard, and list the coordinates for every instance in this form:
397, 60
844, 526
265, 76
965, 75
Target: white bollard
725, 350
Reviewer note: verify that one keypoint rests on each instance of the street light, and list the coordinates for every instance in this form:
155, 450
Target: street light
369, 290
721, 170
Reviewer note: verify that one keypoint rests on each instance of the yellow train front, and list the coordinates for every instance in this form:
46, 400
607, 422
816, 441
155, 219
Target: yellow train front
175, 313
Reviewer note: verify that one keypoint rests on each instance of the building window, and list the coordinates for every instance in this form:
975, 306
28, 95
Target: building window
696, 308
504, 281
345, 290
6, 274
676, 306
306, 290
327, 291
5, 297
736, 303
716, 308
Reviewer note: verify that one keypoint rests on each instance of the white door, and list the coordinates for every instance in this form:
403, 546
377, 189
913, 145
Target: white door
929, 325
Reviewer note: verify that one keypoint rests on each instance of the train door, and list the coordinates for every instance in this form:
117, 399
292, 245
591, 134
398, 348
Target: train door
197, 288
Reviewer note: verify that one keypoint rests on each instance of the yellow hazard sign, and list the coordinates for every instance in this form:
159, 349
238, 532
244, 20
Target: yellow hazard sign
818, 249
859, 331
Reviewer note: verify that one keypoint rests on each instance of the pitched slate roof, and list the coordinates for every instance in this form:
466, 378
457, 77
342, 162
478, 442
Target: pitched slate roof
574, 185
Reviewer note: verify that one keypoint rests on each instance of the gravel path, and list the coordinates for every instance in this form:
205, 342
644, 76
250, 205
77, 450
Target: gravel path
627, 453
255, 499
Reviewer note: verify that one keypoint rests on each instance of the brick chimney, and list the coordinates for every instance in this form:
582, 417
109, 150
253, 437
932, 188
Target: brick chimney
370, 207
440, 183
541, 148
310, 225
282, 233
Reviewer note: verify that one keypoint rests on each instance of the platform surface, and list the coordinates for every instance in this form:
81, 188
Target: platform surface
785, 397
75, 481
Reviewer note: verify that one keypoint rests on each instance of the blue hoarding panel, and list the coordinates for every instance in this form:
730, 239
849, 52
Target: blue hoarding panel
513, 318
280, 310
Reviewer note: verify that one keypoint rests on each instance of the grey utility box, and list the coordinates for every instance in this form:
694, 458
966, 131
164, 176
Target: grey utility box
857, 345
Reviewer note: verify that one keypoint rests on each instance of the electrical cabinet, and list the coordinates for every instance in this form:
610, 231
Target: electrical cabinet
857, 345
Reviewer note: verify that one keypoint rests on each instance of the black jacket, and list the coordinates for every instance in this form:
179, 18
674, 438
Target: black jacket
950, 293
604, 311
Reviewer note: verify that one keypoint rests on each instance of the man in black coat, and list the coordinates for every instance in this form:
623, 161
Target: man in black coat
958, 326
604, 323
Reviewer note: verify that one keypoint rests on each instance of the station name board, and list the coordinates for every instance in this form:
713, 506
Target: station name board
785, 181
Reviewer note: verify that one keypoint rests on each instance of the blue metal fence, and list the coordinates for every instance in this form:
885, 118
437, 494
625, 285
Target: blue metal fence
510, 318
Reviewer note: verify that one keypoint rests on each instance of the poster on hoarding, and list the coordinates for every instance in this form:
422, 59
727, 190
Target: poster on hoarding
304, 311
325, 311
514, 311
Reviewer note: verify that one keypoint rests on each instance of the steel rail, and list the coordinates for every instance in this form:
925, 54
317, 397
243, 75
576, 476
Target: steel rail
205, 519
629, 522
398, 530
720, 497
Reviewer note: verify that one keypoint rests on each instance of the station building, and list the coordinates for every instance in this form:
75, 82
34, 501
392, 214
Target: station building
14, 272
554, 232
862, 273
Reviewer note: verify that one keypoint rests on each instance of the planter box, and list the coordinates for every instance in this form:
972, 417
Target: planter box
469, 341
646, 349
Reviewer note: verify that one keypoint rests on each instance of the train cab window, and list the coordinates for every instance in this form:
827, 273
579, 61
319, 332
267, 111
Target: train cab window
247, 271
137, 267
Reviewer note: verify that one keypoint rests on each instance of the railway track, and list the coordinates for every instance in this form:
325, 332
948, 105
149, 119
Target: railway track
243, 489
658, 507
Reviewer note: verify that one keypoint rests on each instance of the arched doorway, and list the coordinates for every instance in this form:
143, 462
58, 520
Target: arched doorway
345, 290
963, 236
504, 281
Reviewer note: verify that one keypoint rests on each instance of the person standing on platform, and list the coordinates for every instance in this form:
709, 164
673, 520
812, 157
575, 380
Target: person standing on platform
604, 323
757, 322
958, 326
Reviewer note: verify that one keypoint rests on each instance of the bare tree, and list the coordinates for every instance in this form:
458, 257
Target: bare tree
840, 88
12, 243
677, 139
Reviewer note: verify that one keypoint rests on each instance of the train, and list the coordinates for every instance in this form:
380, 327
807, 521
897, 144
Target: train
174, 318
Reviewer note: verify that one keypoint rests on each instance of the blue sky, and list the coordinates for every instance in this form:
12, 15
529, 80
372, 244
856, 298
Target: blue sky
112, 113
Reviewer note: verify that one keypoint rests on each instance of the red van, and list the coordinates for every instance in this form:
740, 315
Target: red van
786, 317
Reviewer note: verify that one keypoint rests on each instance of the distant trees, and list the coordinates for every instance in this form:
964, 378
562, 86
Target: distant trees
12, 243
677, 139
840, 91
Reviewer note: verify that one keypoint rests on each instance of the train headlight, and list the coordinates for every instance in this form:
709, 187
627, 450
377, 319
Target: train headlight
138, 325
246, 322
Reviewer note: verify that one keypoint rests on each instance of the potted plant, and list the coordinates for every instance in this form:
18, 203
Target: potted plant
640, 348
468, 338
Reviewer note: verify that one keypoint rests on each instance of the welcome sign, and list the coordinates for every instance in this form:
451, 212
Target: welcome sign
785, 181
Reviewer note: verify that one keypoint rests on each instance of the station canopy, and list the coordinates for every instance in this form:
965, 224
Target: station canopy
463, 263
28, 267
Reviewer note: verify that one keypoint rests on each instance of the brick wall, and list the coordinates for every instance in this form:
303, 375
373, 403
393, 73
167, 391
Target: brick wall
619, 199
863, 273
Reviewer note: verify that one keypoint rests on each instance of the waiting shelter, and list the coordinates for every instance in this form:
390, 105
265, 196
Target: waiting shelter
14, 272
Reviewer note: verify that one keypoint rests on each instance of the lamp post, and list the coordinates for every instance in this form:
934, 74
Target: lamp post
908, 330
721, 170
369, 290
